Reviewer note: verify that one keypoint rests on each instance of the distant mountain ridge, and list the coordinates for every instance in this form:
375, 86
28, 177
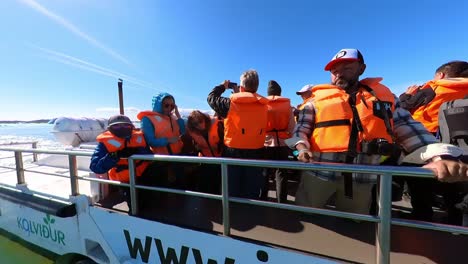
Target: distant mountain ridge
38, 121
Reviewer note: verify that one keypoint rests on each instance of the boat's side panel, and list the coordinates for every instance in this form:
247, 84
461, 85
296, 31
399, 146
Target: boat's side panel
56, 234
152, 242
47, 206
109, 237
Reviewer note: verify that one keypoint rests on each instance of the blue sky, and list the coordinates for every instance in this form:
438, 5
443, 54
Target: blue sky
63, 58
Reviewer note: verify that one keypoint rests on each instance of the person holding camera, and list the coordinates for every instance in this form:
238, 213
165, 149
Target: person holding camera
120, 141
245, 123
359, 121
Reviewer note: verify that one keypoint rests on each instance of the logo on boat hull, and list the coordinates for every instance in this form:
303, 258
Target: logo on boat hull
141, 248
42, 230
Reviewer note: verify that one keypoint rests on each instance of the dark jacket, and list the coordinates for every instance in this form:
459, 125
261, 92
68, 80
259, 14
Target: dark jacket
218, 103
102, 161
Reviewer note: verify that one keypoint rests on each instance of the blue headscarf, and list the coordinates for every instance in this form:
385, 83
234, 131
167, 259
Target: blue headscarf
157, 101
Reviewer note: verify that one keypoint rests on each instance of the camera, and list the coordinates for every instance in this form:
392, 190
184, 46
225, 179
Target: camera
379, 146
232, 85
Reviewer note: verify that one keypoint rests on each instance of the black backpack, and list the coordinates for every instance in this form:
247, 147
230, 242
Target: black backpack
453, 129
453, 123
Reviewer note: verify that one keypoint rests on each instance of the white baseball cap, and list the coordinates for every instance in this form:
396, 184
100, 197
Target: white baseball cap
305, 88
345, 55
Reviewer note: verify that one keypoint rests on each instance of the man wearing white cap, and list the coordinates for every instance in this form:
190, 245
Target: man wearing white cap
306, 91
360, 121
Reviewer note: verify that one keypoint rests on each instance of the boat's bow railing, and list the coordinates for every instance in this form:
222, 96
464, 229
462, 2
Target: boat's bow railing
383, 219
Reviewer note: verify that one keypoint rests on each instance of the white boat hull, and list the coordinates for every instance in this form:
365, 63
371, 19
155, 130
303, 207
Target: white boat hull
74, 131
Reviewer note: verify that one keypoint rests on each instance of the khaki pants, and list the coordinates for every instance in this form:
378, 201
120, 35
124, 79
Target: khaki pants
315, 192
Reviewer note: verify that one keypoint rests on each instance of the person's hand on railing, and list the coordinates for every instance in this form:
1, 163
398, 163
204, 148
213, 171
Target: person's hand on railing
449, 170
305, 155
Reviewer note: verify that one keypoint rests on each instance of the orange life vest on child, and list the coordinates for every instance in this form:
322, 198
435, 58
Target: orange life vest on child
246, 121
279, 113
208, 148
164, 127
446, 90
114, 144
334, 116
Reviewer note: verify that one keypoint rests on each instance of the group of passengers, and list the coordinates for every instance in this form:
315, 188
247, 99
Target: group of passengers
347, 121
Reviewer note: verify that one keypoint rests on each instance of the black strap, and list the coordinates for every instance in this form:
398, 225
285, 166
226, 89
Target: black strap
277, 138
338, 122
79, 138
352, 146
276, 135
169, 150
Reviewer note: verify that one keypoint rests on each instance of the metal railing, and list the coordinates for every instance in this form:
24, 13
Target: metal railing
383, 219
32, 143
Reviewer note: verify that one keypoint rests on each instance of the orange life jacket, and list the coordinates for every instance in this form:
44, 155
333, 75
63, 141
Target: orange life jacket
279, 113
164, 127
334, 116
246, 121
446, 90
114, 144
210, 148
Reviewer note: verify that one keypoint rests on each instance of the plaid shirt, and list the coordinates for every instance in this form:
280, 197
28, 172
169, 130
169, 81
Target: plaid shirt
409, 134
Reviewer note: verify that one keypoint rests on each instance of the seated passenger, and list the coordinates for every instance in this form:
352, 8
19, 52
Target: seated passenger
120, 141
207, 133
162, 128
450, 82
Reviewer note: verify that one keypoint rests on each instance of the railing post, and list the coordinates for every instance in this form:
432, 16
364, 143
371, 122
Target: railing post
75, 190
382, 245
133, 194
225, 199
19, 167
34, 146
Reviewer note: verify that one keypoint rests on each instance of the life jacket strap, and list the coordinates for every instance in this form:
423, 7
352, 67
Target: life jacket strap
338, 122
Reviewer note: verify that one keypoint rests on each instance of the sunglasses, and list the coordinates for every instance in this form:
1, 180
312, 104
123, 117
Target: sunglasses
169, 105
121, 126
